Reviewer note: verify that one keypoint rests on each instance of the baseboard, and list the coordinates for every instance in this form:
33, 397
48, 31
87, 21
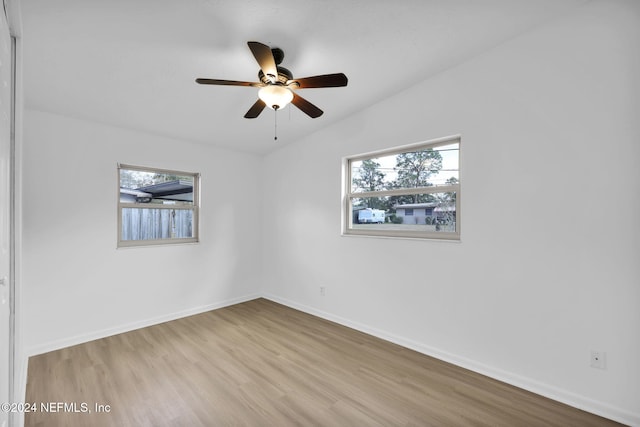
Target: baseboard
82, 338
529, 384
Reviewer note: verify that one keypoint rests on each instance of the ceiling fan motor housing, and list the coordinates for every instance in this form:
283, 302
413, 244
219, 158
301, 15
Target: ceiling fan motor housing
284, 75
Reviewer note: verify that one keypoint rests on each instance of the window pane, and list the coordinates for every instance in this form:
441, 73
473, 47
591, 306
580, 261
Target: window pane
155, 187
153, 224
419, 168
157, 206
434, 212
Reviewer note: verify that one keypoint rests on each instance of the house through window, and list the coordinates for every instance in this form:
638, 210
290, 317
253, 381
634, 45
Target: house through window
157, 206
413, 189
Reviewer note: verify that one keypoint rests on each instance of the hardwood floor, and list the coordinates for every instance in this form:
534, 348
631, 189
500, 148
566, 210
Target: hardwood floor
262, 364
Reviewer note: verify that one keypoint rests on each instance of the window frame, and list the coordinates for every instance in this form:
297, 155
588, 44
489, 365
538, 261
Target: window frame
195, 208
348, 195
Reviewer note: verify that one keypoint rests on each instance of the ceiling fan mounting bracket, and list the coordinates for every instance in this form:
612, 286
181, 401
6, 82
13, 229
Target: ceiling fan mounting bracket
278, 55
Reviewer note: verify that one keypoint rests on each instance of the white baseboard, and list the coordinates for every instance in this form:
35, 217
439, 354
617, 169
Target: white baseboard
82, 338
529, 384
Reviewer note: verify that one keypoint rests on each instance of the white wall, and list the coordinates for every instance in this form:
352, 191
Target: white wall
547, 268
6, 227
76, 285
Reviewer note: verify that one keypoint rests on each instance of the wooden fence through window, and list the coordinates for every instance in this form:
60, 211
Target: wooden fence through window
152, 224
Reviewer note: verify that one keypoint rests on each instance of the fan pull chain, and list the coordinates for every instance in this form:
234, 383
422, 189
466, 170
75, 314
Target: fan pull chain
275, 123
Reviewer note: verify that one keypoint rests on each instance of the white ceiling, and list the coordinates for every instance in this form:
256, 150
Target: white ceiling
132, 63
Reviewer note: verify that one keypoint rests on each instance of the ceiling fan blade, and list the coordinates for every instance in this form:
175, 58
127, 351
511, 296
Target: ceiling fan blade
265, 59
308, 108
255, 110
227, 82
325, 80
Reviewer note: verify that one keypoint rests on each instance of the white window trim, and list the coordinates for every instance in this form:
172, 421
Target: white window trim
348, 195
195, 208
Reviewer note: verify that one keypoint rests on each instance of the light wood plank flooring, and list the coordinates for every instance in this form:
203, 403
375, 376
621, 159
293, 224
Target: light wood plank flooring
263, 364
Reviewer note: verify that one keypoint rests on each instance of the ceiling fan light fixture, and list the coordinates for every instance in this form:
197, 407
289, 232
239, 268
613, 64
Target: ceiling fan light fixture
275, 97
277, 83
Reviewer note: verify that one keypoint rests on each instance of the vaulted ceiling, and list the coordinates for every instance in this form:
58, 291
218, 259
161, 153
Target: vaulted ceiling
132, 63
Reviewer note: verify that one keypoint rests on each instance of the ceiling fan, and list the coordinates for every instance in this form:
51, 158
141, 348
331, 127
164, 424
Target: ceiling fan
277, 85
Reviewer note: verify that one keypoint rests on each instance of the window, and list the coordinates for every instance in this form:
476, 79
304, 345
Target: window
157, 206
415, 188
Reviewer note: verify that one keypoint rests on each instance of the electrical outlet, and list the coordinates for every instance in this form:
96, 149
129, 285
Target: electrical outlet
598, 359
323, 291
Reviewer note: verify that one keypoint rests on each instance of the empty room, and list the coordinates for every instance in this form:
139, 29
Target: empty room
320, 213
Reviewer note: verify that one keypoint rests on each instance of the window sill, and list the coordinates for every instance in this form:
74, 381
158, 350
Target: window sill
449, 237
155, 243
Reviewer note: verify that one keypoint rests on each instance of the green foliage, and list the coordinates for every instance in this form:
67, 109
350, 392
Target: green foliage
396, 219
163, 177
409, 198
368, 176
133, 179
414, 169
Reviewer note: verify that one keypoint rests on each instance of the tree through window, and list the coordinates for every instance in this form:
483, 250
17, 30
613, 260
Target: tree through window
414, 188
